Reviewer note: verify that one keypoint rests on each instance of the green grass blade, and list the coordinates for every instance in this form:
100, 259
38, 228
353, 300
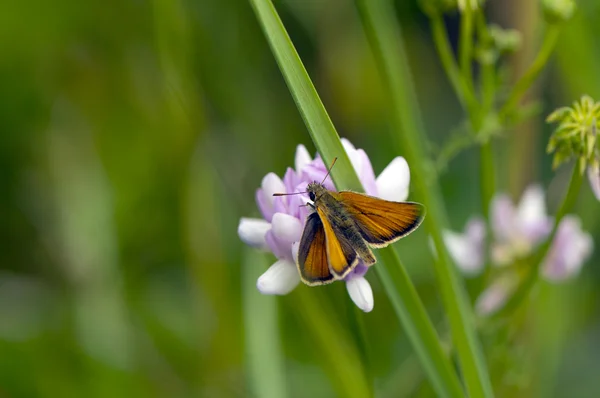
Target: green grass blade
408, 306
416, 323
333, 344
305, 95
264, 359
385, 37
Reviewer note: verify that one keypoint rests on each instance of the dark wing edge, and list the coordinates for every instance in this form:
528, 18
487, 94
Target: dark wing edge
312, 252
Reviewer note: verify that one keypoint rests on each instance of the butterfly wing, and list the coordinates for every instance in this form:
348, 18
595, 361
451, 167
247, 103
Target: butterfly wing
340, 254
382, 222
312, 253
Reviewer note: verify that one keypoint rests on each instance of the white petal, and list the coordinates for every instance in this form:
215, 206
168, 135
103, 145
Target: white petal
302, 158
393, 182
286, 228
465, 253
353, 154
295, 247
361, 293
281, 278
271, 184
594, 178
532, 207
252, 232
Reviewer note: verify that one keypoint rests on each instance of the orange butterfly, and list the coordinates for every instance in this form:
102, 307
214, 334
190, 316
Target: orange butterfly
344, 226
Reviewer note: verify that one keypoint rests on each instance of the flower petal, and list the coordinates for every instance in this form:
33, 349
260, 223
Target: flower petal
594, 178
361, 293
252, 232
502, 216
353, 154
286, 228
281, 278
271, 184
393, 182
302, 158
494, 296
532, 219
466, 253
265, 200
295, 247
281, 249
570, 249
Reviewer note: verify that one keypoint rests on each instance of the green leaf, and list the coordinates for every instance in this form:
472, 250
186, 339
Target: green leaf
385, 37
400, 290
264, 360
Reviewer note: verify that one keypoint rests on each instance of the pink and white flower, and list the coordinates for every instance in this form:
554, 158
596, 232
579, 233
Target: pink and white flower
517, 232
281, 227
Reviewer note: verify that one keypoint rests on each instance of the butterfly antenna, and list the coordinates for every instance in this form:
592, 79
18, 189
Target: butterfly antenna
286, 194
329, 171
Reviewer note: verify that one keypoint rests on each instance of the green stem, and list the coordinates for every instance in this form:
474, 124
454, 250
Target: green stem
464, 93
522, 291
311, 108
487, 75
465, 47
409, 306
519, 90
386, 41
265, 364
414, 317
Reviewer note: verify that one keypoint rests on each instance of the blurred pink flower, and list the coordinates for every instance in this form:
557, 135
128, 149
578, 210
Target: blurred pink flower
280, 229
517, 231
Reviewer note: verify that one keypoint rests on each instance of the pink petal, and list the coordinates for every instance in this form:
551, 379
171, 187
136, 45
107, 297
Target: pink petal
286, 228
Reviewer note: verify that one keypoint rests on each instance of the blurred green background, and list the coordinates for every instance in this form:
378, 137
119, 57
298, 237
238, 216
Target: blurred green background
133, 135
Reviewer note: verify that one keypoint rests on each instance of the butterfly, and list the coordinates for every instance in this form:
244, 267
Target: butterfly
343, 228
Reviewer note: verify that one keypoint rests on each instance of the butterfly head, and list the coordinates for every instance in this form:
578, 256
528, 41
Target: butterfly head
315, 190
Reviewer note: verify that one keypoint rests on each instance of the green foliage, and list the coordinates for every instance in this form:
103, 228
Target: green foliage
135, 134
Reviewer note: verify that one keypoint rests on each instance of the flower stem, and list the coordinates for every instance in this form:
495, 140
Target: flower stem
533, 72
465, 48
385, 37
265, 364
396, 282
464, 93
428, 348
522, 291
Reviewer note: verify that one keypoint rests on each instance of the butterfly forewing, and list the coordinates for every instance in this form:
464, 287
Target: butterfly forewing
340, 253
312, 253
379, 221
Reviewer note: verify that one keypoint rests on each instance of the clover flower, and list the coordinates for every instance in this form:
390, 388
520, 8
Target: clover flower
517, 232
280, 229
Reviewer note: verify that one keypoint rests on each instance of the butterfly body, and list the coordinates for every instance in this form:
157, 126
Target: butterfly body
343, 228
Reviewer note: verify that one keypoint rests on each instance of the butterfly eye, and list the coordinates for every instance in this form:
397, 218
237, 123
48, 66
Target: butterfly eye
311, 195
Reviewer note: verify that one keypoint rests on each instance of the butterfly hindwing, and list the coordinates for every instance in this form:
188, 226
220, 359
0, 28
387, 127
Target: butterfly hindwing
340, 254
312, 253
379, 221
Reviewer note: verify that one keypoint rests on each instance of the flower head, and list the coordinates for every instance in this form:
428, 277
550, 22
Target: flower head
467, 249
283, 220
576, 137
517, 232
571, 247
